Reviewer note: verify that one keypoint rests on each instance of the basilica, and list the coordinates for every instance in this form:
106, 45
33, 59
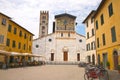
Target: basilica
63, 44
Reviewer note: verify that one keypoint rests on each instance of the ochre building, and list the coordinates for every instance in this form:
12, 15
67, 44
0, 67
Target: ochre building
107, 26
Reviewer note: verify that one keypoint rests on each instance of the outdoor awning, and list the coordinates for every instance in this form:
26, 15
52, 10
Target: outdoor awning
4, 52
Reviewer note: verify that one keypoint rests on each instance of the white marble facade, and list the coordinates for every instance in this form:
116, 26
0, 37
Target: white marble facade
50, 44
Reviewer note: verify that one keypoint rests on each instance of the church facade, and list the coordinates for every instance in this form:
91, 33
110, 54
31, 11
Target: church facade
64, 44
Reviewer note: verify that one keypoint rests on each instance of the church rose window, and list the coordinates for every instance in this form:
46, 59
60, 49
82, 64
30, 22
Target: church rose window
37, 46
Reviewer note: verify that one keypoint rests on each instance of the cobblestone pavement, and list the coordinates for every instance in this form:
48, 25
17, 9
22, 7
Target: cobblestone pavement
114, 75
47, 72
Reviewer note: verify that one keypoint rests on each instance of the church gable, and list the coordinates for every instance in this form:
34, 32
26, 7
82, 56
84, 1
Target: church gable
65, 22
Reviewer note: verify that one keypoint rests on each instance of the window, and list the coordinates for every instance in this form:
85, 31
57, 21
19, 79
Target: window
1, 38
15, 30
80, 40
43, 33
110, 10
96, 25
88, 46
61, 34
87, 23
19, 45
102, 19
87, 35
91, 45
37, 46
43, 21
43, 17
50, 40
113, 34
98, 43
8, 42
103, 38
24, 47
20, 34
68, 34
14, 44
91, 19
25, 36
43, 27
93, 32
9, 28
3, 21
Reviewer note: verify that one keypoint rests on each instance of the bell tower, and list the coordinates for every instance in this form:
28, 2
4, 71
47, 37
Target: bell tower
44, 22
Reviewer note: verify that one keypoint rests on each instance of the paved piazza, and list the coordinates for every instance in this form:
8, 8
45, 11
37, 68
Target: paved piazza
47, 72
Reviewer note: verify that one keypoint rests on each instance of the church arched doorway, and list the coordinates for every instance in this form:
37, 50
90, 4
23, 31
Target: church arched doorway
78, 56
65, 56
115, 59
52, 56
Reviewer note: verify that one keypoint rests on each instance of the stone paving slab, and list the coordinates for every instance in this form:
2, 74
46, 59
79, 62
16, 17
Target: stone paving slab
47, 72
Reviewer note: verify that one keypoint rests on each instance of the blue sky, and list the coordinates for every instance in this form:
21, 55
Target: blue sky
27, 12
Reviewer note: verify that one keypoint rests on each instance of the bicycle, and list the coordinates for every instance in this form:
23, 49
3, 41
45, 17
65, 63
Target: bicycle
95, 73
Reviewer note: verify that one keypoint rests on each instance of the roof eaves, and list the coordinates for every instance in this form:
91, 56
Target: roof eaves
93, 11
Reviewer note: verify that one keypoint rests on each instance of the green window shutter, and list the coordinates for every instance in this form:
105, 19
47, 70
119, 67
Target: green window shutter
113, 34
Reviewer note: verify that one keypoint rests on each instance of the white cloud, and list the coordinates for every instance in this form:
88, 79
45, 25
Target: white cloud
26, 12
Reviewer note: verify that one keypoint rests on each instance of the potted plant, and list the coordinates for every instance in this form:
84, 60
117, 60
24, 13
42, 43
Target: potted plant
108, 64
119, 68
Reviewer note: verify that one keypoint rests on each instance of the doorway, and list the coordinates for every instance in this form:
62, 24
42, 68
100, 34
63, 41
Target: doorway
115, 59
93, 59
52, 56
78, 57
105, 60
99, 60
65, 56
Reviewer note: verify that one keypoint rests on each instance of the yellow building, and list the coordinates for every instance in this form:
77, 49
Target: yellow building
13, 37
15, 42
4, 20
107, 27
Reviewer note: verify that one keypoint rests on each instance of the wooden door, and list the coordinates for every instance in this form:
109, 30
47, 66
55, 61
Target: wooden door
115, 56
65, 56
78, 57
52, 56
